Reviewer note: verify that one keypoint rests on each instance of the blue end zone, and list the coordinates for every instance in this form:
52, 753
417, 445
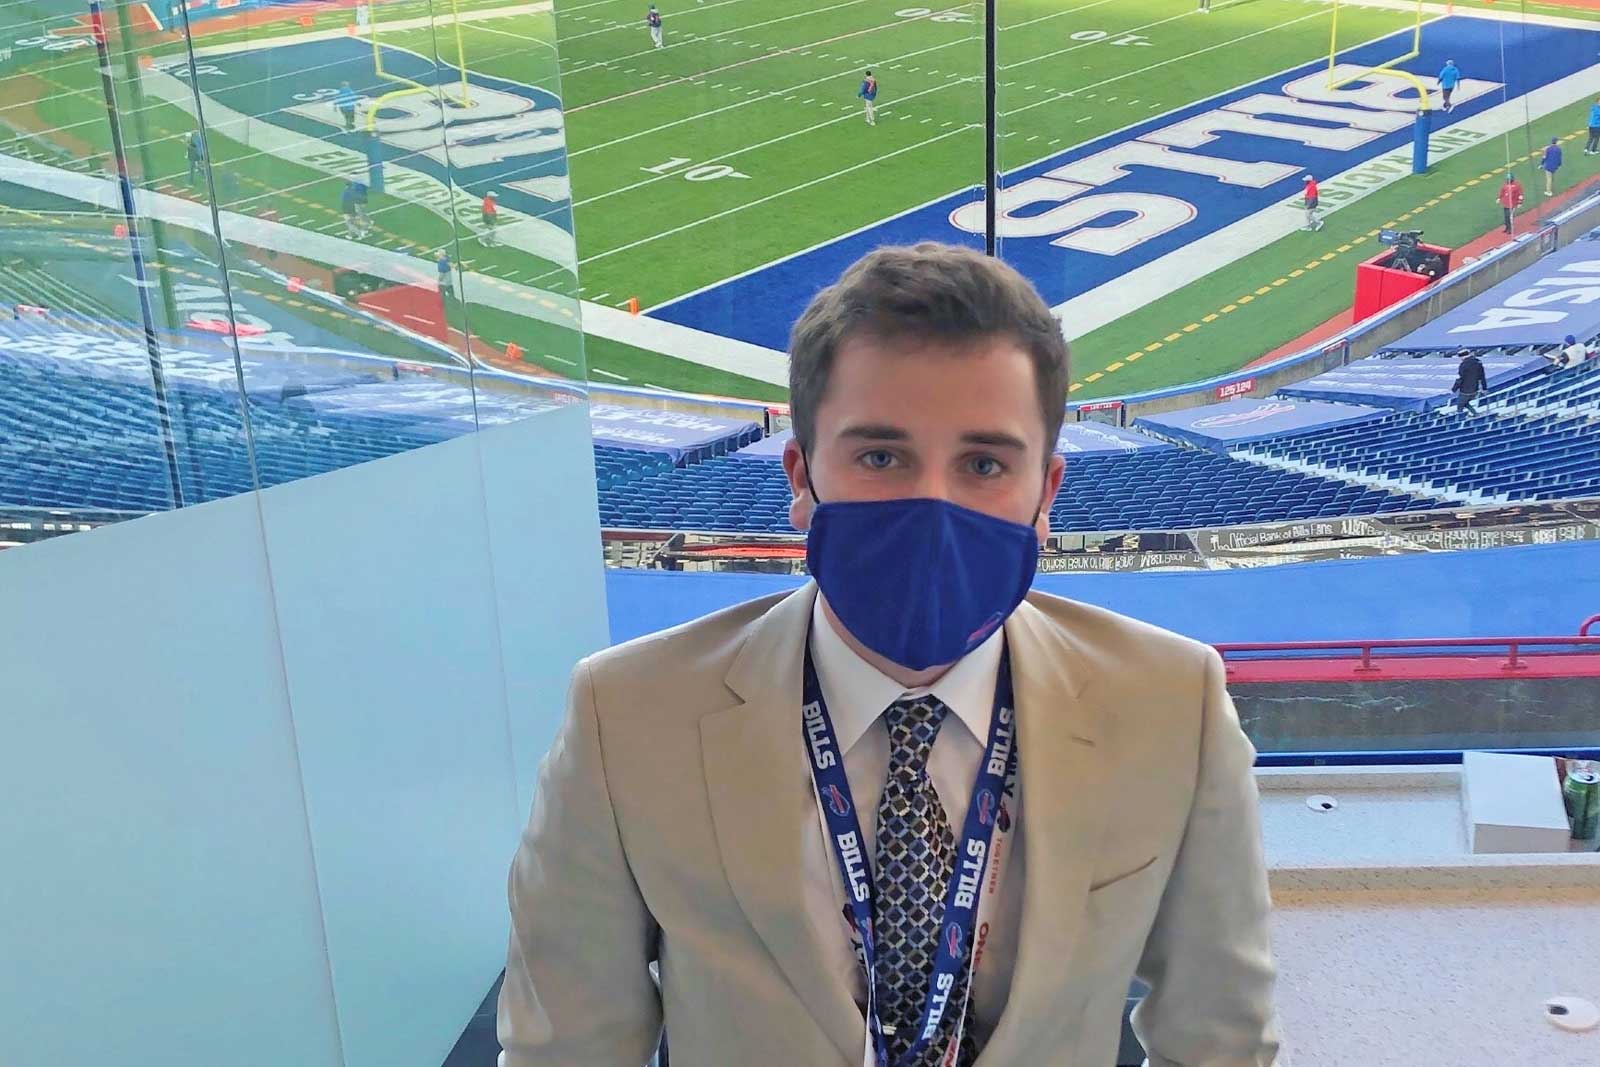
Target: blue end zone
761, 306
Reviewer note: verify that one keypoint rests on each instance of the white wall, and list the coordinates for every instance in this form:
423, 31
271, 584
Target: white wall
266, 759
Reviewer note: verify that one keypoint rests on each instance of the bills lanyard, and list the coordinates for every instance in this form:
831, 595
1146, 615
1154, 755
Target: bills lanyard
997, 775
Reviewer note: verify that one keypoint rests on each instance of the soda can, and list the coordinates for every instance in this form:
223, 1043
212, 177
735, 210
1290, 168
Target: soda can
1581, 791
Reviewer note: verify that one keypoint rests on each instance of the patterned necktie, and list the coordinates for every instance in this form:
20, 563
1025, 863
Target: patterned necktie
915, 857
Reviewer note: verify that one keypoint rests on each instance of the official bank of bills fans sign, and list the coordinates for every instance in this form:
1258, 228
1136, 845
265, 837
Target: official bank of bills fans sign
1227, 548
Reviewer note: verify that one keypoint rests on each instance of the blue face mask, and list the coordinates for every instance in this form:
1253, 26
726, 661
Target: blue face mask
919, 582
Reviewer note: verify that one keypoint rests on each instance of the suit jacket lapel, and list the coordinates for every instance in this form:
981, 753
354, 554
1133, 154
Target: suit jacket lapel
1062, 777
763, 806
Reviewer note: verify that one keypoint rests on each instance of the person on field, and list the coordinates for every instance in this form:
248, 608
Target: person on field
1313, 223
491, 218
446, 282
1510, 199
345, 104
197, 155
1593, 147
353, 201
653, 20
1550, 164
869, 95
1449, 78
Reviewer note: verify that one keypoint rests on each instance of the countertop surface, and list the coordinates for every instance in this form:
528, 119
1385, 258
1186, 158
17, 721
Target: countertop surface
1395, 945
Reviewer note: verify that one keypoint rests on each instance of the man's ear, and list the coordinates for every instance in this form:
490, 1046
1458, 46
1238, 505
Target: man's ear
1053, 473
801, 503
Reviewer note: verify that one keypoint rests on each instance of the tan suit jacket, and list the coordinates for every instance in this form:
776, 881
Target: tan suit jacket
673, 805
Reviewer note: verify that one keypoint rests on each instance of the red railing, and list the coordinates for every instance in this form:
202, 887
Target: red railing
1370, 654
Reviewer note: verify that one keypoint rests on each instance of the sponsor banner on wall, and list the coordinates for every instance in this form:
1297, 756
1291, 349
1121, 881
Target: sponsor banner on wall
1230, 548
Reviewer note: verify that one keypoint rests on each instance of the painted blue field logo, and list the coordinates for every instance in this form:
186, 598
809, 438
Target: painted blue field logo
1103, 228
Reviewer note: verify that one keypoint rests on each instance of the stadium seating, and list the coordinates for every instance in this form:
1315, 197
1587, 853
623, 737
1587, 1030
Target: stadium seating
73, 441
68, 440
1533, 440
615, 467
1166, 489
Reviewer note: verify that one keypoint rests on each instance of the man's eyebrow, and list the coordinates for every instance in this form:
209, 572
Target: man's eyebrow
995, 439
885, 432
876, 432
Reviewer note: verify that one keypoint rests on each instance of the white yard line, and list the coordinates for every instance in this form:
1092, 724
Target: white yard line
686, 343
524, 38
774, 196
851, 115
543, 7
731, 66
1489, 14
639, 24
1154, 66
745, 103
1086, 44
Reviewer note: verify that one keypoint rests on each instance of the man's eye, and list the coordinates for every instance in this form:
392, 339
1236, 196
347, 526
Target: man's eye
987, 466
878, 460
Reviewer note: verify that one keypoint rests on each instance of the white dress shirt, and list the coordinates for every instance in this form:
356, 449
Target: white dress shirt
857, 694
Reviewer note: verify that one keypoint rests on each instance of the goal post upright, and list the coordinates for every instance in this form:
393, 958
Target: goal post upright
1423, 126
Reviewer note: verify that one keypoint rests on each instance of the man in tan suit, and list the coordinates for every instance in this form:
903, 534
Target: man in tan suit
909, 814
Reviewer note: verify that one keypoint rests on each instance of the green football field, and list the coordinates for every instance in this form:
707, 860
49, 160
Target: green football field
741, 142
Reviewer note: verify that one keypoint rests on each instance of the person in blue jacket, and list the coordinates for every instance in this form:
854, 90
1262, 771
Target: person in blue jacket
1449, 78
869, 93
345, 104
1593, 147
1550, 164
196, 150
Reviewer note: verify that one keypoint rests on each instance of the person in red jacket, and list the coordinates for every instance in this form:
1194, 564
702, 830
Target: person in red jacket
1312, 222
491, 218
1510, 198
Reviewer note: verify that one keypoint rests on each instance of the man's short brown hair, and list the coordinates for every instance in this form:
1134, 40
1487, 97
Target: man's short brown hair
928, 292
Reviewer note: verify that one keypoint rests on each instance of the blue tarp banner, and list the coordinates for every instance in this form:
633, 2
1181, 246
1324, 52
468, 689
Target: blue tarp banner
1407, 383
431, 408
1088, 438
1556, 296
1237, 422
95, 351
672, 432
